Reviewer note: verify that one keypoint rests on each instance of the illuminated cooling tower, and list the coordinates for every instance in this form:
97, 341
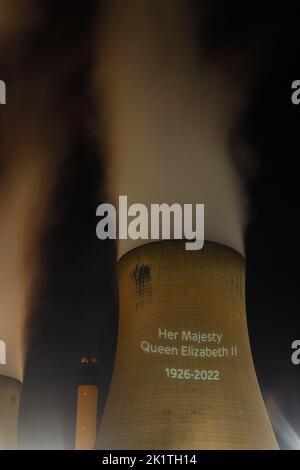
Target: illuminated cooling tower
87, 405
184, 376
10, 392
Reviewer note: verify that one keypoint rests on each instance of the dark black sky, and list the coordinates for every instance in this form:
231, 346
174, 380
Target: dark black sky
272, 243
75, 311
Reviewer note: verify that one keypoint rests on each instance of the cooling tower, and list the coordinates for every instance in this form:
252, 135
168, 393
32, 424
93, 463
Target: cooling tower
87, 405
184, 376
10, 393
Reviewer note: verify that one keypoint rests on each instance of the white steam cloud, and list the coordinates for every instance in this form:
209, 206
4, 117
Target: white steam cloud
169, 116
31, 147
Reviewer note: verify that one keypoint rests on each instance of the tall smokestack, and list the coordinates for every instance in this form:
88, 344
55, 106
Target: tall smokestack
87, 405
183, 376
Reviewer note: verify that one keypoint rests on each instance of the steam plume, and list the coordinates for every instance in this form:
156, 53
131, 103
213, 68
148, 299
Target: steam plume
170, 113
32, 144
17, 17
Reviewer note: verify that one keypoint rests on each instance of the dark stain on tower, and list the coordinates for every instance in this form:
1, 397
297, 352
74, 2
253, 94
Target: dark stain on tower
141, 275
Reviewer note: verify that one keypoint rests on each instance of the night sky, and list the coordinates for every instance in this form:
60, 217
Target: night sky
75, 306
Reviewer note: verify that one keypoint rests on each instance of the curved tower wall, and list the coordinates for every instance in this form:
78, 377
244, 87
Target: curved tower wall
184, 376
10, 394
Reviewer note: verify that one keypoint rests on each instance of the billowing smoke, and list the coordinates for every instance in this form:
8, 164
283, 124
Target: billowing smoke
33, 132
17, 17
170, 115
42, 64
283, 428
31, 144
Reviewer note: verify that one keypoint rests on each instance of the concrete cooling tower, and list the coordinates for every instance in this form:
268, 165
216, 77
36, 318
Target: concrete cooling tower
184, 376
10, 394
